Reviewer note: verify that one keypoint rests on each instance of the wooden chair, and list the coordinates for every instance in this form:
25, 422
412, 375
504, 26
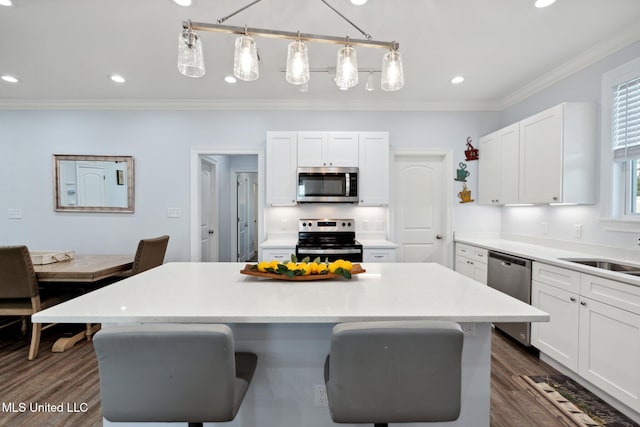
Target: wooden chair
150, 254
171, 373
19, 293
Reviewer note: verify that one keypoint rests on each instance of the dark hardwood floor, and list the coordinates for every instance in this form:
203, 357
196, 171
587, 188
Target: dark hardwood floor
71, 379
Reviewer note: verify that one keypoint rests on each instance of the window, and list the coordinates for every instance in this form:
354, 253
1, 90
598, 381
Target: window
620, 159
625, 123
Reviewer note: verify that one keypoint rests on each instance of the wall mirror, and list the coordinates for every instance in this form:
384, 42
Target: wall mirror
93, 183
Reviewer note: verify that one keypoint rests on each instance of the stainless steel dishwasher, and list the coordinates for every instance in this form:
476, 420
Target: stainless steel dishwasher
512, 276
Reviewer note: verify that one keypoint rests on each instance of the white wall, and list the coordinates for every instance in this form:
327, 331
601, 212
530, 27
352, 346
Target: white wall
160, 143
584, 85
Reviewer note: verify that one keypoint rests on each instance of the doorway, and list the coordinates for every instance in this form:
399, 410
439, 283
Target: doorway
214, 231
420, 211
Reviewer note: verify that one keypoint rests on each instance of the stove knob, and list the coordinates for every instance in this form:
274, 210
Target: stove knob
343, 224
349, 224
304, 224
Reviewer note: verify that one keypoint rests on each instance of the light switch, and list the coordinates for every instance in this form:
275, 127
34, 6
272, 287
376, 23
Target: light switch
174, 213
14, 213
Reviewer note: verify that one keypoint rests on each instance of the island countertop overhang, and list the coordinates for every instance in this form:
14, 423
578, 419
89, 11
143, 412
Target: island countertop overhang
217, 292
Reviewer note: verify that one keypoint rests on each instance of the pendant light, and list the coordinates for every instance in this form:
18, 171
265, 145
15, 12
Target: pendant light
370, 86
347, 67
392, 73
297, 72
245, 59
190, 58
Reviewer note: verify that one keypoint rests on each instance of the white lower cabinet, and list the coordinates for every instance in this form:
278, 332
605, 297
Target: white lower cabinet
471, 261
557, 338
279, 254
594, 331
379, 255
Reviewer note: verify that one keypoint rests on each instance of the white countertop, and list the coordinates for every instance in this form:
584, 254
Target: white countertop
554, 256
217, 292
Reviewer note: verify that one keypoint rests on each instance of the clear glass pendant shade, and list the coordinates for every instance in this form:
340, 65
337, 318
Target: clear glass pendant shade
347, 68
190, 59
392, 74
370, 86
297, 63
245, 59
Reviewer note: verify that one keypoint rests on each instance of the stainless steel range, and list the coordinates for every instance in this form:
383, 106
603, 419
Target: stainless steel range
328, 238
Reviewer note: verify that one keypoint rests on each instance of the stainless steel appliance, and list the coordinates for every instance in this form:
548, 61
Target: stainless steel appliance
512, 275
328, 238
327, 185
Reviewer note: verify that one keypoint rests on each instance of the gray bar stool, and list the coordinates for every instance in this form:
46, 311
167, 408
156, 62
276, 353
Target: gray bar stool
171, 373
395, 371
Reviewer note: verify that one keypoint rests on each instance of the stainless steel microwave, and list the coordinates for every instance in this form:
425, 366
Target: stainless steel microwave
327, 185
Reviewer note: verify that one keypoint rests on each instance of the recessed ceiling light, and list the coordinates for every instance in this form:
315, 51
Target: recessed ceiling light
117, 78
230, 79
6, 3
9, 79
184, 3
543, 3
358, 2
457, 80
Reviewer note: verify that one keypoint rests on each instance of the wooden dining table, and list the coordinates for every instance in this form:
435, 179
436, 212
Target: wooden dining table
81, 271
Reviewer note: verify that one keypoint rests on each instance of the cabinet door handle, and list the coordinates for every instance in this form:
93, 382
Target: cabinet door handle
573, 299
583, 303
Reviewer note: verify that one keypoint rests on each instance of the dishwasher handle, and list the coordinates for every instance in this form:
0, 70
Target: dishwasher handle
507, 259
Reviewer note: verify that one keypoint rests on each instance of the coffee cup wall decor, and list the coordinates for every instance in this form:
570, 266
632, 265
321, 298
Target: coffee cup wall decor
462, 173
465, 195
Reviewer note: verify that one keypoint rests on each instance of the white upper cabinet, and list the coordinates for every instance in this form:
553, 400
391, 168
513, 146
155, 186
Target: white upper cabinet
557, 155
328, 149
498, 170
545, 158
281, 168
373, 172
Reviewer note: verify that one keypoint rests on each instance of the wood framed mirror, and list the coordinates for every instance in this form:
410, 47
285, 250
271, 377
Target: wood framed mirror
93, 183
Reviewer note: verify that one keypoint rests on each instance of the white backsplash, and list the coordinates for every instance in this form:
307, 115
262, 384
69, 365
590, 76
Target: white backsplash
282, 222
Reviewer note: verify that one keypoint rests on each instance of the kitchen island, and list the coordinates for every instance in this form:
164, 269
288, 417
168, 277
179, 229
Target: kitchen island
288, 324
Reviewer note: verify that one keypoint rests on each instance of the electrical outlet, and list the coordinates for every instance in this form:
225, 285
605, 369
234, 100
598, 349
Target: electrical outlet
283, 224
365, 224
468, 328
379, 225
320, 395
545, 228
577, 231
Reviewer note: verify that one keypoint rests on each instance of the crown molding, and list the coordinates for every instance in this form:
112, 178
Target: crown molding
598, 52
242, 105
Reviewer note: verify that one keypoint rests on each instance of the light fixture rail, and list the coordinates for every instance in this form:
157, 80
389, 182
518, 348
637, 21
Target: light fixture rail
290, 35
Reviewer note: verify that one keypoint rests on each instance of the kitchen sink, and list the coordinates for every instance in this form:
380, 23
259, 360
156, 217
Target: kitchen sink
606, 265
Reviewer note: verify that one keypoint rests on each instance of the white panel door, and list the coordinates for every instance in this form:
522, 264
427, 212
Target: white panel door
244, 234
509, 143
92, 189
419, 206
489, 170
208, 213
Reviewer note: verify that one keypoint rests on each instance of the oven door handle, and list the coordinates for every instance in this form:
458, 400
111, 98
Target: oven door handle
319, 251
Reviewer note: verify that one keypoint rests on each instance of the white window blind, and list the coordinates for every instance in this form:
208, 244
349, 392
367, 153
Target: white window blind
626, 120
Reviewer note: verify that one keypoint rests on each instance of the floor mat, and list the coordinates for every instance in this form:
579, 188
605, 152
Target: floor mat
576, 402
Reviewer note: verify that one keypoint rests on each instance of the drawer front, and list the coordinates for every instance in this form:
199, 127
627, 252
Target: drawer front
379, 255
280, 255
472, 252
621, 295
556, 276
